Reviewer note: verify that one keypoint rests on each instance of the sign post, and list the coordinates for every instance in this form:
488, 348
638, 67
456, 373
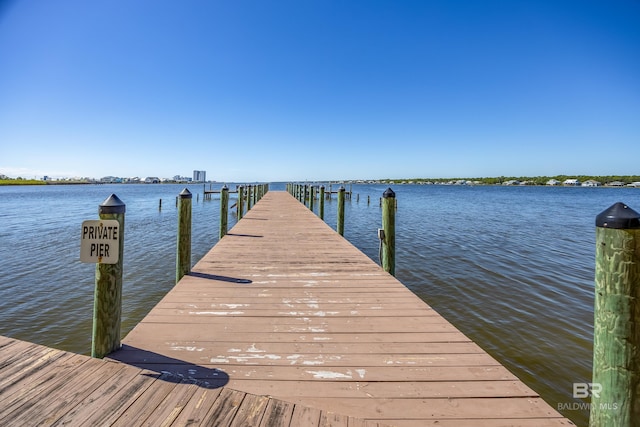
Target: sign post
102, 243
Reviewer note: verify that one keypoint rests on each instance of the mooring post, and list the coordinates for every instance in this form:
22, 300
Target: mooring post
224, 210
311, 197
341, 210
183, 252
160, 205
107, 303
615, 387
248, 197
321, 201
305, 194
255, 194
389, 231
240, 202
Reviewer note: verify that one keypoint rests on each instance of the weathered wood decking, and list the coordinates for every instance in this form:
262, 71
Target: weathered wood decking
283, 306
41, 386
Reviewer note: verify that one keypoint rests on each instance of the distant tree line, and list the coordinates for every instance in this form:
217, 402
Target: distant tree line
536, 180
5, 180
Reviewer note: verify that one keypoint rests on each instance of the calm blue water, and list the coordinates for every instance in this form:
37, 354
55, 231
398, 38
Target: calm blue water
512, 267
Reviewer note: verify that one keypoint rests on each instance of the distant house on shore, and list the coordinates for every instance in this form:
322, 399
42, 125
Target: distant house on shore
591, 183
553, 182
572, 182
511, 182
615, 184
110, 180
152, 180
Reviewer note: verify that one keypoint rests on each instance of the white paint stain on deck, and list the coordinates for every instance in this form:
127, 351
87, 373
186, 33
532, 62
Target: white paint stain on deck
331, 375
217, 313
185, 348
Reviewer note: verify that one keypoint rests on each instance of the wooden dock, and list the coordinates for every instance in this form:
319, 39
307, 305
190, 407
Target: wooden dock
282, 323
284, 307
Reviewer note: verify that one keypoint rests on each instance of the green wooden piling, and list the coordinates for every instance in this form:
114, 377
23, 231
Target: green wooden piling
183, 252
615, 388
255, 194
341, 211
224, 210
389, 229
160, 205
107, 303
321, 201
305, 195
240, 202
249, 197
311, 198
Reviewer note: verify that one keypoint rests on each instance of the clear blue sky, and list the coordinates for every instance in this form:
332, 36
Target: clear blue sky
319, 89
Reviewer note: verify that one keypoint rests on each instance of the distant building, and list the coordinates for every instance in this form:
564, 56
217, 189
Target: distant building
199, 176
571, 182
591, 183
553, 182
152, 180
110, 179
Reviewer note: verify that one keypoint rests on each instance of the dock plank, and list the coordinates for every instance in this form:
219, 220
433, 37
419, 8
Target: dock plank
284, 307
57, 388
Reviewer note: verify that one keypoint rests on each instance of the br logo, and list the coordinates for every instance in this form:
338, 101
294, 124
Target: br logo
582, 390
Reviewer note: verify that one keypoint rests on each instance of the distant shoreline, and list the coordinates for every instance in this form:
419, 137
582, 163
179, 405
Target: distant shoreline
609, 181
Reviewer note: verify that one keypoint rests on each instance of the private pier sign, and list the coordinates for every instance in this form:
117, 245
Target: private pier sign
100, 241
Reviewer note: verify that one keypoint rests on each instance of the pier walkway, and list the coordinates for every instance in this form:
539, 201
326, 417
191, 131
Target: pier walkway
285, 307
282, 323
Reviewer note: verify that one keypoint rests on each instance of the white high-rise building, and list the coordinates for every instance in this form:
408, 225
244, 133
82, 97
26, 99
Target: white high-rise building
199, 176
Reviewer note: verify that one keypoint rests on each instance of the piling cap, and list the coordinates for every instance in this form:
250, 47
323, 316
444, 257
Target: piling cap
224, 187
618, 216
341, 188
389, 193
112, 205
185, 194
